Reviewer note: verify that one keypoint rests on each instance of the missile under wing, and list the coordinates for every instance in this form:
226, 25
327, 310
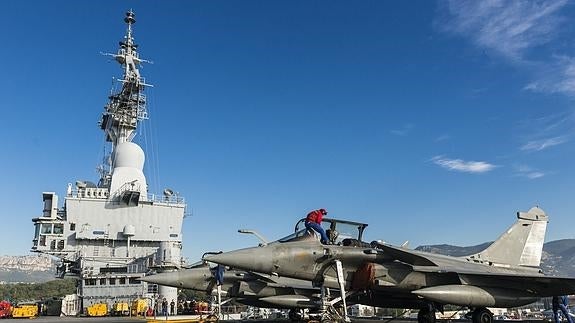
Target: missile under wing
506, 274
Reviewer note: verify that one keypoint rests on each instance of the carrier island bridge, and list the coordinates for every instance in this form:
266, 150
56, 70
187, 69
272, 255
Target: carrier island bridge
111, 233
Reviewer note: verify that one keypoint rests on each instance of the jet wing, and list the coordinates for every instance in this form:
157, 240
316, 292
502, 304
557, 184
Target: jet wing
542, 286
539, 285
404, 255
260, 277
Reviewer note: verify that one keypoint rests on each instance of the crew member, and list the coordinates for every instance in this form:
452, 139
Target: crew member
164, 307
218, 273
561, 303
313, 221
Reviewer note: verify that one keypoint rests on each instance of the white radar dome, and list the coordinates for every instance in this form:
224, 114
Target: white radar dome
129, 230
128, 170
129, 154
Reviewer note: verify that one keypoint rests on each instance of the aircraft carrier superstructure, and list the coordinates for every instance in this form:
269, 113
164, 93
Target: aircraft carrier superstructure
110, 233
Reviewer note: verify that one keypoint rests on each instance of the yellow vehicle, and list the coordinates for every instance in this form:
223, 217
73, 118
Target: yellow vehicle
120, 309
139, 307
98, 309
25, 311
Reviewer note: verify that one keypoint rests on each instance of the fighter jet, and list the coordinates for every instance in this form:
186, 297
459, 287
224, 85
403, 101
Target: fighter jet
247, 288
506, 274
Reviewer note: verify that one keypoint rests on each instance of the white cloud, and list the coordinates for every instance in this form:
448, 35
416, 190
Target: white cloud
462, 165
538, 145
534, 175
546, 131
552, 123
507, 27
528, 172
556, 77
513, 29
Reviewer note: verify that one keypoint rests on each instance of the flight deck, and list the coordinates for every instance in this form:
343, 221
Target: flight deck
186, 319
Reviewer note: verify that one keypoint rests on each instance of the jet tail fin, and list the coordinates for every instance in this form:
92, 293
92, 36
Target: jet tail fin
521, 244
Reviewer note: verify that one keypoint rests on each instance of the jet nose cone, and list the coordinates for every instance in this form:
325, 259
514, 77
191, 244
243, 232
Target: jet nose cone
166, 279
252, 259
193, 278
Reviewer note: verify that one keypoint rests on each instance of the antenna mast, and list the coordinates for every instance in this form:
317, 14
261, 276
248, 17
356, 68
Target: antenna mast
127, 105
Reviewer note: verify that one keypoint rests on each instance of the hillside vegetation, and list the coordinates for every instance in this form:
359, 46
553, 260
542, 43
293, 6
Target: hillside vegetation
39, 291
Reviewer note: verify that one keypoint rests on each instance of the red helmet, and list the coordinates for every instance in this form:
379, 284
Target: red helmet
323, 211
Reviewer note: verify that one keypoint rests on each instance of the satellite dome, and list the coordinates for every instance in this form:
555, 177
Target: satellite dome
129, 230
129, 154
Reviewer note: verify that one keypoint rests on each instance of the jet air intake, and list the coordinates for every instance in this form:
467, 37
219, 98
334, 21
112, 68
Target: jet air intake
473, 296
371, 275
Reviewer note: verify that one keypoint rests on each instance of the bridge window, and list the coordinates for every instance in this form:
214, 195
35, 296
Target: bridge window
58, 228
46, 228
153, 288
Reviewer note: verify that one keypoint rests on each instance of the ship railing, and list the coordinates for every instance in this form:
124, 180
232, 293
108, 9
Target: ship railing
103, 193
173, 199
132, 186
91, 192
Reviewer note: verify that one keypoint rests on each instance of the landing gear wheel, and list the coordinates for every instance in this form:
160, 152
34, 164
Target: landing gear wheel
426, 315
482, 315
295, 315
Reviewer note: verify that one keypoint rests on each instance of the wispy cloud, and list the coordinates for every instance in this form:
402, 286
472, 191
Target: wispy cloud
555, 77
403, 131
460, 165
513, 29
537, 145
507, 27
541, 133
550, 123
528, 172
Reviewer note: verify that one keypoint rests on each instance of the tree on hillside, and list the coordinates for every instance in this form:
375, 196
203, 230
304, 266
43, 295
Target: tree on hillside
34, 292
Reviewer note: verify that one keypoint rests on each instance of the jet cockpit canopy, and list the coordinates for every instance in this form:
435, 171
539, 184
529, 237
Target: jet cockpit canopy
337, 230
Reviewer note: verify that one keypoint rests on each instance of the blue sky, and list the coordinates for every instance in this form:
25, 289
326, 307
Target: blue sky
433, 121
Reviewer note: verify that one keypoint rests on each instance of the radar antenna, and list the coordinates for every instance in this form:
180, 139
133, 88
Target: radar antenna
126, 107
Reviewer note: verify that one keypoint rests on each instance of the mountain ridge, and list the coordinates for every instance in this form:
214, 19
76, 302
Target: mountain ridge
27, 269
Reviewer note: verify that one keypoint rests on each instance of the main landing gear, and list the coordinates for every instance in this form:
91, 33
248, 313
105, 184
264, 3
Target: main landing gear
298, 315
478, 315
426, 314
481, 315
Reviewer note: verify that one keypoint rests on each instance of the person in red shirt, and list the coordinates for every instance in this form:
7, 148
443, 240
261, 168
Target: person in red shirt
313, 222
